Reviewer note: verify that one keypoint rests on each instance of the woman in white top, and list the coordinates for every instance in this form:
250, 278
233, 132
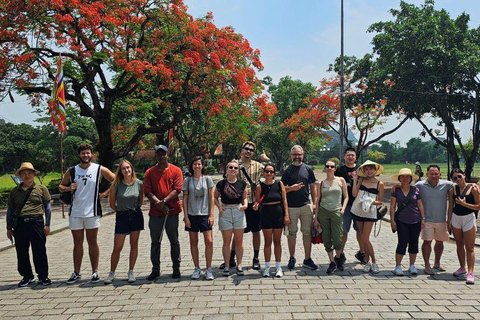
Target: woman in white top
198, 206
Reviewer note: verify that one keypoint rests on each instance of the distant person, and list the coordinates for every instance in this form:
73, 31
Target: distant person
418, 171
28, 203
434, 193
198, 208
85, 210
271, 203
368, 193
126, 199
348, 171
231, 200
163, 184
463, 222
299, 180
333, 199
407, 218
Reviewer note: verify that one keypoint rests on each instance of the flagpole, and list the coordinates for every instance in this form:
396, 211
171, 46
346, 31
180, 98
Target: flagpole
61, 169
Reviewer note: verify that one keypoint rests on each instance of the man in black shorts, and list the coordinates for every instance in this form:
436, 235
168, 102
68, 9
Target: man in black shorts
253, 169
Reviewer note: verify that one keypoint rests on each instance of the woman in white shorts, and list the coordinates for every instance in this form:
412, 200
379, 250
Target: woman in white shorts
463, 222
231, 220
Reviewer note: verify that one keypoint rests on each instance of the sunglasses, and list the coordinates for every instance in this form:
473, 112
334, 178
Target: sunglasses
233, 168
454, 178
268, 171
329, 167
249, 149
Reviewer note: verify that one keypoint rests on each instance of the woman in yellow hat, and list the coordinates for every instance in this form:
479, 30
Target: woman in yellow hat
407, 218
368, 193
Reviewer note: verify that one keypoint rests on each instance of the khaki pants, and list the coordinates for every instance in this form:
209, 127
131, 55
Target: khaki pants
304, 214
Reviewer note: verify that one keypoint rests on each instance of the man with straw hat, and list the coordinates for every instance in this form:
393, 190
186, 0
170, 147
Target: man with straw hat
27, 204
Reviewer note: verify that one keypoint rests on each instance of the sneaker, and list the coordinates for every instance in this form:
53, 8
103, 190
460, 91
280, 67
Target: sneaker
256, 264
226, 272
233, 264
331, 268
308, 263
460, 272
240, 271
360, 256
279, 273
44, 281
339, 263
291, 263
95, 277
153, 276
109, 278
74, 278
375, 268
367, 268
209, 274
26, 281
131, 277
412, 270
470, 278
196, 274
342, 258
398, 271
266, 272
176, 273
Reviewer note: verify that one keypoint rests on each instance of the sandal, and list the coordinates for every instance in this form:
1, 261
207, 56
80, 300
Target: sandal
439, 268
429, 271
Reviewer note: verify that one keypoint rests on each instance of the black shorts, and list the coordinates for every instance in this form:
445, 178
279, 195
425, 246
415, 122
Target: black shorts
198, 224
253, 219
271, 216
129, 221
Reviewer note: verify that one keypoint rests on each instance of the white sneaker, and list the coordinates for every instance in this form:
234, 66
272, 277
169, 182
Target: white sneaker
109, 279
131, 277
266, 272
375, 268
398, 271
196, 274
367, 268
209, 274
413, 270
279, 273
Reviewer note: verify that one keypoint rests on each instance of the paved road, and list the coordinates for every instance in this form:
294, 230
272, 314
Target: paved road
300, 294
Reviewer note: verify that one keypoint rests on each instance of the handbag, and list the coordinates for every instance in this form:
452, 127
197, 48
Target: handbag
67, 197
381, 212
316, 234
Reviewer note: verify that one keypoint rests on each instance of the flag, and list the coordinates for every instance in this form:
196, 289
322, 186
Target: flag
170, 140
56, 105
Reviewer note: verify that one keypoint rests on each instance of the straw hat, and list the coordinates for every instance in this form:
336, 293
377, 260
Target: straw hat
405, 172
26, 166
378, 167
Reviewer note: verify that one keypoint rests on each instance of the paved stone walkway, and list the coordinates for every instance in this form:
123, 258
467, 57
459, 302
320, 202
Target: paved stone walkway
300, 294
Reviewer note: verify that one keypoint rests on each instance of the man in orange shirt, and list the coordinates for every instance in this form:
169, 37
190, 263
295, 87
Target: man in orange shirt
163, 184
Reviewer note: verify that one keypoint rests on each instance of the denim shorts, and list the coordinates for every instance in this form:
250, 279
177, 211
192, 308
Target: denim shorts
129, 221
232, 218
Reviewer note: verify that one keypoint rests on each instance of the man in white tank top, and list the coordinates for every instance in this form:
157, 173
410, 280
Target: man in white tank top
85, 210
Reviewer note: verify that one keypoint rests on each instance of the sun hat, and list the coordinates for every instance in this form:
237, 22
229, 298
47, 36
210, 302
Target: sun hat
378, 167
26, 166
405, 172
161, 147
417, 163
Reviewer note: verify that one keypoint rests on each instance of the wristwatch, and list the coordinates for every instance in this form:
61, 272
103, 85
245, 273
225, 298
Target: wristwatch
164, 200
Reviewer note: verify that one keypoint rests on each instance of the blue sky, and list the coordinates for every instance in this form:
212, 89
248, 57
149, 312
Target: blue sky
298, 38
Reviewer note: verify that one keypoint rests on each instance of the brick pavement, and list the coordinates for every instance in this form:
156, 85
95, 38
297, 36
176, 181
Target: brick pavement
300, 294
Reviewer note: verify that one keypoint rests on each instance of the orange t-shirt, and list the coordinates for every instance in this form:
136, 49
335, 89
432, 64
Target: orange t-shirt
161, 183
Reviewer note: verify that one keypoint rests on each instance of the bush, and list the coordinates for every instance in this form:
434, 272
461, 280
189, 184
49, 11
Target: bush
211, 169
53, 186
4, 197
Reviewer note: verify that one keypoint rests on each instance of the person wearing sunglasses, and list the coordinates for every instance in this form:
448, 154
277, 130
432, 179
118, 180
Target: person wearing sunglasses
463, 222
333, 199
231, 221
434, 192
271, 202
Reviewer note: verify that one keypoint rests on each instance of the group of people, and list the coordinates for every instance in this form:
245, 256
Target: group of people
248, 199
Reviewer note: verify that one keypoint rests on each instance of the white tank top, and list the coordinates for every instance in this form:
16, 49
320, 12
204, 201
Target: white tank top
85, 199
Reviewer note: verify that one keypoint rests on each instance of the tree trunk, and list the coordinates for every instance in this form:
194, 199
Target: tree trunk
103, 123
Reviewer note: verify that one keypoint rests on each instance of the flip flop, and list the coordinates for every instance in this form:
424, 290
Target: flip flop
439, 268
429, 271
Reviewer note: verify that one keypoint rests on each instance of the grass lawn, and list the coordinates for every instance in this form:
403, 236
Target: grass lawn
7, 183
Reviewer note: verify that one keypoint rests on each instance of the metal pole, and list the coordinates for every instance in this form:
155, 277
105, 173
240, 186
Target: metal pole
342, 89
